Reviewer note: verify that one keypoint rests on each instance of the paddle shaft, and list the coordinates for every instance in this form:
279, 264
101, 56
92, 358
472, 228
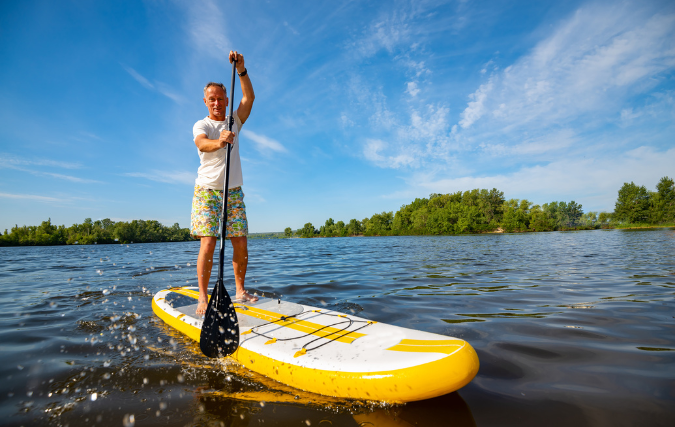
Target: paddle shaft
226, 189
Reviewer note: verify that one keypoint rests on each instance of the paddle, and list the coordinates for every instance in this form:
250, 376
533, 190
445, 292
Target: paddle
220, 329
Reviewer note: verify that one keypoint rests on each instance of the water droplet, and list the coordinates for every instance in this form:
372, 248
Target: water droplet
262, 404
180, 378
29, 394
53, 304
129, 420
106, 291
145, 381
93, 397
19, 367
308, 422
106, 376
162, 405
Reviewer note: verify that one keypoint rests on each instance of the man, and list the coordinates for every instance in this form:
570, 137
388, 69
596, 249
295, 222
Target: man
211, 138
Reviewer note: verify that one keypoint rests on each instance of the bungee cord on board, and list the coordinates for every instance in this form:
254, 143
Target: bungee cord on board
304, 347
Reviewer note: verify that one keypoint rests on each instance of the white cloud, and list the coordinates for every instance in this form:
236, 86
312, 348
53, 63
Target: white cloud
595, 180
139, 78
291, 29
263, 143
9, 159
67, 177
418, 68
386, 33
400, 140
591, 63
169, 92
205, 26
555, 141
475, 109
394, 29
160, 87
580, 78
173, 177
346, 121
413, 90
372, 152
31, 197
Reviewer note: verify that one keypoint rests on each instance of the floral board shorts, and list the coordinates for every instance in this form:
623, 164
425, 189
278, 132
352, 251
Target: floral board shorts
207, 205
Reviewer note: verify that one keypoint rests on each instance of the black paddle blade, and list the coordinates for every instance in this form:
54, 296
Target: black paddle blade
220, 330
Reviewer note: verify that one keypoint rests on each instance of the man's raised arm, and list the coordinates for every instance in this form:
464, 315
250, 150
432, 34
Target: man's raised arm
248, 97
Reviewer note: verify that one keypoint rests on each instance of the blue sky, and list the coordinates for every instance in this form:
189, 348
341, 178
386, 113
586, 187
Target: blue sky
361, 106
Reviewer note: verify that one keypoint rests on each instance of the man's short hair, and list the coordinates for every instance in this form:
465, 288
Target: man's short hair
220, 85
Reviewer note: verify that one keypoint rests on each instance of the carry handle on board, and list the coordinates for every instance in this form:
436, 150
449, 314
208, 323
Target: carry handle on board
220, 329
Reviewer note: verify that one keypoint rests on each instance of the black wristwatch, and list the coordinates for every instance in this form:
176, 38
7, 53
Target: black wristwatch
243, 73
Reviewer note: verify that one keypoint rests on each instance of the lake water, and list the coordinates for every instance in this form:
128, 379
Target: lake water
571, 328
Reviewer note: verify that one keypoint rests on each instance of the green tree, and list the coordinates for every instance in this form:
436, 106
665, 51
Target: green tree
662, 209
516, 215
633, 203
539, 220
574, 213
491, 204
354, 227
380, 224
308, 230
589, 219
328, 229
419, 219
288, 232
340, 229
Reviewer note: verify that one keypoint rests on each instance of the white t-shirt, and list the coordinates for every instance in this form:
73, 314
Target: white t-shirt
211, 173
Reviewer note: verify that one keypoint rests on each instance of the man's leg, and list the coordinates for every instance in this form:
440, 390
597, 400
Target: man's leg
239, 264
204, 265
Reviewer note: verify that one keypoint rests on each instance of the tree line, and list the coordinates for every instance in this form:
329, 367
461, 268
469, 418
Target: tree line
92, 232
474, 211
481, 211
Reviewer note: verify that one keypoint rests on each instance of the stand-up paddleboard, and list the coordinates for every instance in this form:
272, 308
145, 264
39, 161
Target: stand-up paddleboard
331, 353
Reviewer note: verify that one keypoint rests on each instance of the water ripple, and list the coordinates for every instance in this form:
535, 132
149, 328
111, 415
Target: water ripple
576, 327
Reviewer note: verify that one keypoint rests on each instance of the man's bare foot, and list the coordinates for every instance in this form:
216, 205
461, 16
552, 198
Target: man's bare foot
245, 296
201, 307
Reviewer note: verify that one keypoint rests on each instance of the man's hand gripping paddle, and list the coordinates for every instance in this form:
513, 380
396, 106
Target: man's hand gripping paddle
220, 330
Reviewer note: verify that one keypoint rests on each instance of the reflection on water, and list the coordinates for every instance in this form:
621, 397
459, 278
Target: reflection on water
571, 328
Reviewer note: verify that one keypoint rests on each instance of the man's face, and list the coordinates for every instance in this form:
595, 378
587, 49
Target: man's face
216, 102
